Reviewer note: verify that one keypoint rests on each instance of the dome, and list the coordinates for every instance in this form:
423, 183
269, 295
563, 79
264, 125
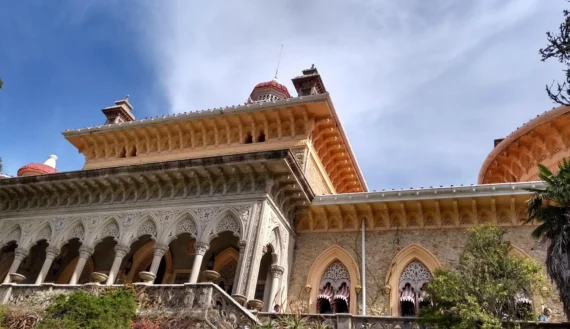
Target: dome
269, 91
48, 167
544, 139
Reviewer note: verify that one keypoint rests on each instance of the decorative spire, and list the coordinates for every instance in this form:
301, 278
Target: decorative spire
51, 161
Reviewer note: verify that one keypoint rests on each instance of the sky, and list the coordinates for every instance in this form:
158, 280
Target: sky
422, 87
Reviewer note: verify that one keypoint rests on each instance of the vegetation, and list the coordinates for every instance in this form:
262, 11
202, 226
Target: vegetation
80, 310
550, 207
1, 165
293, 321
559, 48
481, 292
1, 83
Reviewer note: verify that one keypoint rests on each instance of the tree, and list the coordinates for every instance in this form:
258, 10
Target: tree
1, 83
1, 165
559, 47
482, 291
550, 207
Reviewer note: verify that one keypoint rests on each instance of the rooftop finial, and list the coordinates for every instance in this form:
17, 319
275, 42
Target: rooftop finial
278, 62
127, 98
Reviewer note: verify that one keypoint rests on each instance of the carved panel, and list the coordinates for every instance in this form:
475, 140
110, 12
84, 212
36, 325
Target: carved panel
416, 274
186, 225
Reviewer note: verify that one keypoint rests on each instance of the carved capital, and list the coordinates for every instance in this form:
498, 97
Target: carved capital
242, 244
121, 250
21, 253
160, 249
52, 252
85, 252
201, 247
276, 271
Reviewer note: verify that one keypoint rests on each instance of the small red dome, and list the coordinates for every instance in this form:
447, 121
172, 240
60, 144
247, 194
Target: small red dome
273, 84
36, 169
48, 167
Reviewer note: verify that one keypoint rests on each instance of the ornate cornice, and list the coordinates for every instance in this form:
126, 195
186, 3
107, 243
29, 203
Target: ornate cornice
545, 139
244, 174
434, 208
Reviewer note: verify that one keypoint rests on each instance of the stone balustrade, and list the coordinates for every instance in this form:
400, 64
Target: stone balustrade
348, 321
202, 302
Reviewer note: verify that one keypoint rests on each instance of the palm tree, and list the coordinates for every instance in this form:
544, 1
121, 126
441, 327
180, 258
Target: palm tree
550, 207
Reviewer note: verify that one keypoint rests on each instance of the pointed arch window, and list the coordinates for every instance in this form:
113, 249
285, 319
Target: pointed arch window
411, 288
334, 290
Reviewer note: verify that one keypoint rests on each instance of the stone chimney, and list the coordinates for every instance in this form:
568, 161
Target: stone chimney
497, 141
310, 83
120, 112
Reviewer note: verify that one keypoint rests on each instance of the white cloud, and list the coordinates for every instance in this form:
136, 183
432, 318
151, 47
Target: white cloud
417, 83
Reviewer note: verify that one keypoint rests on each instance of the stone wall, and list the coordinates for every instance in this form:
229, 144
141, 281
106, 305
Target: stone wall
315, 177
383, 246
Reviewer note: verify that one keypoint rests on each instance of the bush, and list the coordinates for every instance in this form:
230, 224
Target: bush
79, 310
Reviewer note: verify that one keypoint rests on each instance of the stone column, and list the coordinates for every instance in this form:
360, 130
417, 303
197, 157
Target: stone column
276, 273
84, 253
200, 249
159, 251
19, 255
51, 254
237, 279
120, 253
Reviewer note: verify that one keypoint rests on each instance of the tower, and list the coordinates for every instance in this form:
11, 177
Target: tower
268, 91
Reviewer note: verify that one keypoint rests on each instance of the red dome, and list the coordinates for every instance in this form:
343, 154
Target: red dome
273, 84
36, 169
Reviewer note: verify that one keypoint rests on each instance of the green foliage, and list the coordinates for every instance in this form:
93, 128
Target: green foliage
480, 293
558, 47
1, 165
1, 83
550, 208
79, 310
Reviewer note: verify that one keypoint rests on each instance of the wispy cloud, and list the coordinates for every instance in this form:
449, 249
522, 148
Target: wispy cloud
422, 87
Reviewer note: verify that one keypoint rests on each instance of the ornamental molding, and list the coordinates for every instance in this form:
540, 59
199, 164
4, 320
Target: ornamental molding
125, 227
160, 184
503, 209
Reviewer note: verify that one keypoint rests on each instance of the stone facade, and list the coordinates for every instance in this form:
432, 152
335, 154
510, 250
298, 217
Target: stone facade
382, 248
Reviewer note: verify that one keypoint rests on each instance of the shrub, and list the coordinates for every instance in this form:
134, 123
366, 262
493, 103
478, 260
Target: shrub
79, 310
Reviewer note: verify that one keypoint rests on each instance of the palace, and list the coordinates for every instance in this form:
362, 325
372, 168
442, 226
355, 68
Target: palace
265, 199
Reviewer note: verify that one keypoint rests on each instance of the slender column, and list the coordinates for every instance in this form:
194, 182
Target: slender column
237, 279
200, 248
84, 253
19, 255
120, 253
159, 251
276, 273
51, 254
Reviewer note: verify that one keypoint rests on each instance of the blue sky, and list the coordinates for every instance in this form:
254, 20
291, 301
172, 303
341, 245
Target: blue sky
422, 88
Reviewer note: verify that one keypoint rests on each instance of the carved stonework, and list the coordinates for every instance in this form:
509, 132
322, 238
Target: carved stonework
228, 223
416, 274
147, 228
200, 248
186, 225
336, 274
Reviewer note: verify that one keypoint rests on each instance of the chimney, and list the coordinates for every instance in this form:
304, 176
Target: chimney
310, 83
498, 141
120, 112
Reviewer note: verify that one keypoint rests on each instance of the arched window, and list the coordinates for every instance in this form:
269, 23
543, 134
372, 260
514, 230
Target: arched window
412, 282
334, 290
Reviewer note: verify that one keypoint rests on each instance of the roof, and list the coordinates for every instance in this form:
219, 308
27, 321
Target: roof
429, 193
541, 140
233, 110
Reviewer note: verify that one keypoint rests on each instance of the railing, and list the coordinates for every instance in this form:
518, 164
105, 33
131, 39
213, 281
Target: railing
201, 302
347, 321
